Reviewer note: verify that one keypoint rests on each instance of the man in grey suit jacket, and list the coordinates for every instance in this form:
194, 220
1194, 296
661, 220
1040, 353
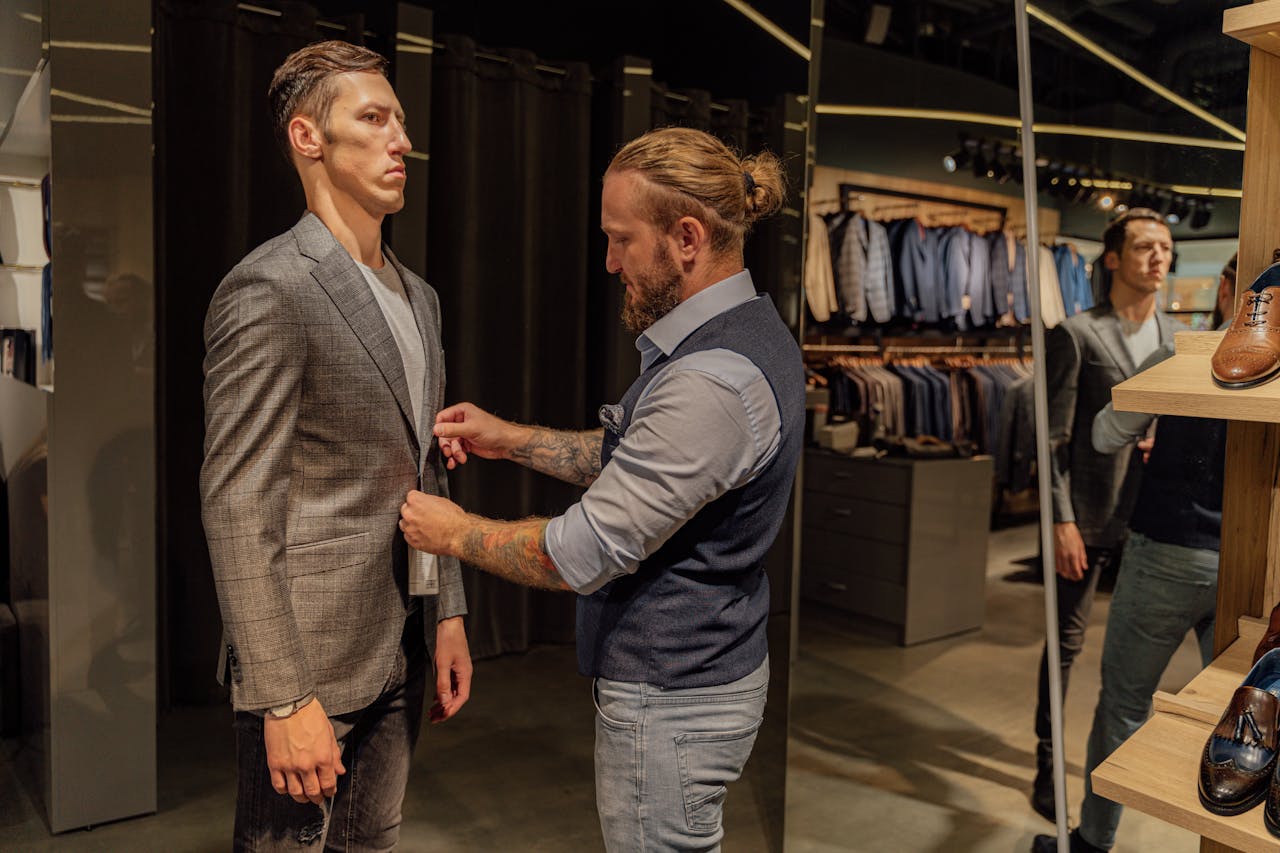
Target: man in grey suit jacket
1093, 493
323, 376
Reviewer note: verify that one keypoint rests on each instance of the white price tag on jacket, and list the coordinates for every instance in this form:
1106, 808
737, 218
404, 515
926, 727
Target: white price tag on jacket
424, 573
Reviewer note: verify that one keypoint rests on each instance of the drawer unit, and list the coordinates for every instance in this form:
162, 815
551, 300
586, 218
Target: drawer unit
900, 541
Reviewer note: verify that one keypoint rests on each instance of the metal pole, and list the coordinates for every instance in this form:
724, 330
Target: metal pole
1042, 419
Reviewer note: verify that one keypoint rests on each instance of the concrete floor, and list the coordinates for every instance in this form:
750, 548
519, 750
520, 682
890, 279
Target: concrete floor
931, 748
926, 748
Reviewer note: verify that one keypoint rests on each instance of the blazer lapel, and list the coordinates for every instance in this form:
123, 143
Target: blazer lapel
427, 315
338, 274
1165, 324
1107, 328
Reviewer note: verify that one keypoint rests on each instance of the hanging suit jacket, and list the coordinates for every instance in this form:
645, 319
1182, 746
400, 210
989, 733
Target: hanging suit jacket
1018, 283
879, 285
919, 267
981, 307
819, 286
851, 267
311, 445
1052, 310
953, 253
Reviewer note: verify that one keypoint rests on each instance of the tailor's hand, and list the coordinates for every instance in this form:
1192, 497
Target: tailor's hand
431, 523
464, 429
1145, 446
302, 754
453, 669
1070, 559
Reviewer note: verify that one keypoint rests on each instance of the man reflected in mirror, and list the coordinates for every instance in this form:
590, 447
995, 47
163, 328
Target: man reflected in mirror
1093, 493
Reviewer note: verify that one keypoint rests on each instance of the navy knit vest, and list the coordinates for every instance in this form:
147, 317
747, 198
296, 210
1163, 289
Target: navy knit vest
694, 613
1180, 502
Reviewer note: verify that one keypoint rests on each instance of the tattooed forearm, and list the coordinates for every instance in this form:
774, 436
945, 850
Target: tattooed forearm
566, 455
513, 550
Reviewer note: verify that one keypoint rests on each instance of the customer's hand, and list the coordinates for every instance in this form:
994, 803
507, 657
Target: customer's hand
302, 754
1144, 446
453, 669
1069, 556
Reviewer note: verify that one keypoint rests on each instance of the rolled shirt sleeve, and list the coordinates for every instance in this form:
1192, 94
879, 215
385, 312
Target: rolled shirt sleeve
706, 424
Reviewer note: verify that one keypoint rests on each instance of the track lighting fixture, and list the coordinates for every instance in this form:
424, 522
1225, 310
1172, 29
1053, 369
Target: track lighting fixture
997, 170
1200, 215
1179, 209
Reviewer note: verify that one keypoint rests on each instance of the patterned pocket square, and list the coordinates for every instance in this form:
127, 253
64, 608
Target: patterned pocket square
611, 418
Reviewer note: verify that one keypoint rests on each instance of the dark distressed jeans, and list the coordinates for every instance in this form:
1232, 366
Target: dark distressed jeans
1075, 603
377, 745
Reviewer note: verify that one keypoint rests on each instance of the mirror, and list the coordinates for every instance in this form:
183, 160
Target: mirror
1139, 120
921, 607
920, 613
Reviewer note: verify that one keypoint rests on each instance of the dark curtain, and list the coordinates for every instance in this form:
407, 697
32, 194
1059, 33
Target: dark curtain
222, 188
509, 221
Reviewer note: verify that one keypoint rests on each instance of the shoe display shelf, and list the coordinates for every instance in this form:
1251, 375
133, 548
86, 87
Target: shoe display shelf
1156, 770
1182, 385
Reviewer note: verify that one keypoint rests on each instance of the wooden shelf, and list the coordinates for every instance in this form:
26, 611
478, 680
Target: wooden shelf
1257, 24
1182, 385
1156, 770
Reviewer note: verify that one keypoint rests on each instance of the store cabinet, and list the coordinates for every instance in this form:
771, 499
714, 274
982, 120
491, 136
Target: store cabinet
899, 541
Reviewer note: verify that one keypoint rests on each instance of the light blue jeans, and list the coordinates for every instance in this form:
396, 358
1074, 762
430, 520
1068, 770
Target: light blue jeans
1162, 592
664, 758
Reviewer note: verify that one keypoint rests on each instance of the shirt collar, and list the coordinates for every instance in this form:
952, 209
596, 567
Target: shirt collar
669, 332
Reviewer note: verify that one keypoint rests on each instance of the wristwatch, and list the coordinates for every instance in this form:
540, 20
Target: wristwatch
280, 712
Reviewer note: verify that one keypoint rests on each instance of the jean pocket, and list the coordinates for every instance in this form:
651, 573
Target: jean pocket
607, 719
709, 761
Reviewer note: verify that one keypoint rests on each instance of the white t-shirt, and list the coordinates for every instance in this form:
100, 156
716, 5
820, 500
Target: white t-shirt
388, 289
1141, 339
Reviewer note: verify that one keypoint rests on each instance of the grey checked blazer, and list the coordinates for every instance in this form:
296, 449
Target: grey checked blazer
309, 453
1085, 357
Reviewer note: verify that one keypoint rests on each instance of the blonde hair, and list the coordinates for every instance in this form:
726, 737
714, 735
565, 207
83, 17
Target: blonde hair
692, 173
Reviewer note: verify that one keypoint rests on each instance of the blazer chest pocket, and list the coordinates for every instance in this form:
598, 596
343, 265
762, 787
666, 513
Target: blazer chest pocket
326, 555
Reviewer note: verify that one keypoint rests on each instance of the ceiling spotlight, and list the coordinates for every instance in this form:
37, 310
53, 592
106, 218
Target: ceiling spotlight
1045, 172
1084, 189
996, 170
961, 157
1106, 202
980, 158
1122, 208
1200, 217
1179, 209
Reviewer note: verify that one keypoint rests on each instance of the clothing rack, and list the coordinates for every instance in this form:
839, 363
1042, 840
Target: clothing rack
849, 189
897, 349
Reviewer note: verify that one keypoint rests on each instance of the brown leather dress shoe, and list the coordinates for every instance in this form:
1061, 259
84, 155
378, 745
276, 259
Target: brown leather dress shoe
1240, 755
1250, 350
1271, 639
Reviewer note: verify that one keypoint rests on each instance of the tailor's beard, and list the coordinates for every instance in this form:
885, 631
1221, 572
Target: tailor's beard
657, 291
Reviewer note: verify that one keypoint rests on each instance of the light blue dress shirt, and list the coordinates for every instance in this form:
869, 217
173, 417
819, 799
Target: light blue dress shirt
708, 422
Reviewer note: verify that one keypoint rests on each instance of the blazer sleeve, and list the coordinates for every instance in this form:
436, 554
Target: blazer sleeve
256, 352
1062, 375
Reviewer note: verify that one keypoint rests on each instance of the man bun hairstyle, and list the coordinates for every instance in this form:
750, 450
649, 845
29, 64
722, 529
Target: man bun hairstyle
692, 173
304, 84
